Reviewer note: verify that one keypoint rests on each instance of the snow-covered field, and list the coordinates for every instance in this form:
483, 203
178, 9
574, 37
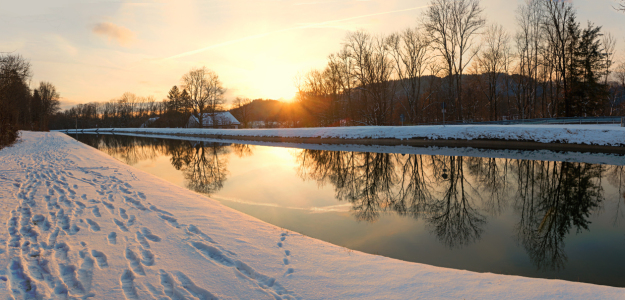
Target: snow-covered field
605, 135
80, 224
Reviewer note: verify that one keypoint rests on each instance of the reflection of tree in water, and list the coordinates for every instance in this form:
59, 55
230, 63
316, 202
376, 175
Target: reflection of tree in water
455, 219
242, 150
455, 194
491, 178
378, 182
616, 177
553, 198
128, 149
364, 179
413, 194
181, 154
204, 165
208, 168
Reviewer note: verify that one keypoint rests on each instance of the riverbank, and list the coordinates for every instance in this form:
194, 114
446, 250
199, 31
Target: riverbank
80, 223
585, 138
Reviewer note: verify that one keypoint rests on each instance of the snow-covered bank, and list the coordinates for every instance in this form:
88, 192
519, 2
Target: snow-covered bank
603, 135
79, 222
543, 155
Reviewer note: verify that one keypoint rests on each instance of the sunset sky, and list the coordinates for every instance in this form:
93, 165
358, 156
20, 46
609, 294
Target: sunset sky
97, 50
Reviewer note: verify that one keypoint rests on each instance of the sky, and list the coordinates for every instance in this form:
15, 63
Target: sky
98, 50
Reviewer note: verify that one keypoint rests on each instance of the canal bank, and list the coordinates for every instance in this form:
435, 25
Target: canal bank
582, 138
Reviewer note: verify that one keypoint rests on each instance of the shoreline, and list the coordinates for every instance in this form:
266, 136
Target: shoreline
580, 138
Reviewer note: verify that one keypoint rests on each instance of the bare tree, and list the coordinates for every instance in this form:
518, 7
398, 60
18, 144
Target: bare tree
410, 55
619, 75
492, 63
49, 100
372, 71
205, 91
15, 72
621, 6
215, 92
359, 46
243, 110
344, 65
555, 26
609, 45
529, 39
339, 80
452, 26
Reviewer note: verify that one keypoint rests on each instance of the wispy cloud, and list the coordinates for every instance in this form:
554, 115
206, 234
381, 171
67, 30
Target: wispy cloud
260, 35
122, 35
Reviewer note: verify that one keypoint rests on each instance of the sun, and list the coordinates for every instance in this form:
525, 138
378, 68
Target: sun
277, 92
275, 83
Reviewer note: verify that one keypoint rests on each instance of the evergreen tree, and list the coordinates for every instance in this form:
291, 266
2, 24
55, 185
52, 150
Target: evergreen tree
587, 61
174, 100
185, 102
36, 105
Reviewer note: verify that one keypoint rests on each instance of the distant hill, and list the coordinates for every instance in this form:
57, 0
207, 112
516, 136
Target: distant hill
261, 111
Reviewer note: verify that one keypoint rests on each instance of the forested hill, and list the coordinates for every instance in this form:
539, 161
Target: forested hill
264, 112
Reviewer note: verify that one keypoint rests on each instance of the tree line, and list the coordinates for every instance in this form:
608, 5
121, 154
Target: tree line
453, 61
20, 107
200, 92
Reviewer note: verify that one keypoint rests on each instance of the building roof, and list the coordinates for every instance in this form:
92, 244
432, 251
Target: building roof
222, 118
149, 122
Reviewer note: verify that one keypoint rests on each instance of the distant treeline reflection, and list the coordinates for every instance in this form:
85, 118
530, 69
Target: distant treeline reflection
454, 195
204, 165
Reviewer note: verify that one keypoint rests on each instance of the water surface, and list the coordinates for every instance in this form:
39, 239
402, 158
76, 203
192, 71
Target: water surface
536, 218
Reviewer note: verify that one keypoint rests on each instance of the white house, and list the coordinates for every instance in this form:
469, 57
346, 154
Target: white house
149, 122
222, 119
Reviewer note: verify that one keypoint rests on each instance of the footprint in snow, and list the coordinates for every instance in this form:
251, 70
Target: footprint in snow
112, 238
100, 258
93, 225
287, 254
134, 262
141, 240
120, 225
148, 235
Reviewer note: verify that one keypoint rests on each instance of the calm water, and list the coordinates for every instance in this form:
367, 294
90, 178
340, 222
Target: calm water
531, 218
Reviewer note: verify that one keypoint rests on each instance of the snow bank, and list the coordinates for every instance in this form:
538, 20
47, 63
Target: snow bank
78, 223
605, 135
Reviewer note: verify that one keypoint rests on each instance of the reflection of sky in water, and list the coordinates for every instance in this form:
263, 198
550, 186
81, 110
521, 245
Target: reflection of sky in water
266, 178
266, 182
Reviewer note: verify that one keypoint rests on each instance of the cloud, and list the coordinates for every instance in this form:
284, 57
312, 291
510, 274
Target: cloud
67, 103
122, 35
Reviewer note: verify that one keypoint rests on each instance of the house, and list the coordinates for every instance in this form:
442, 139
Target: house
149, 122
222, 119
